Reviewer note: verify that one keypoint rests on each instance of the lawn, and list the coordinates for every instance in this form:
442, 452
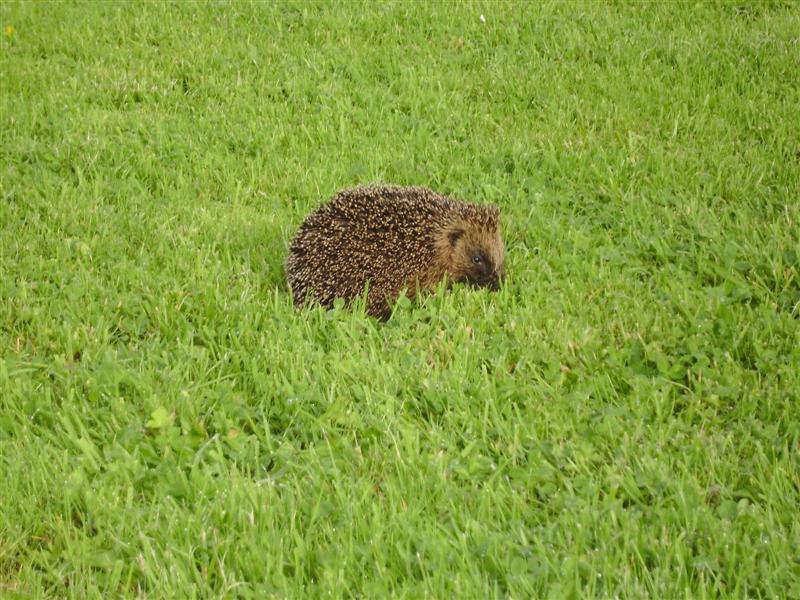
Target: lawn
621, 419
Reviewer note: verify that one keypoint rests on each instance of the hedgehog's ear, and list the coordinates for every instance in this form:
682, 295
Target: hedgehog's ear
454, 235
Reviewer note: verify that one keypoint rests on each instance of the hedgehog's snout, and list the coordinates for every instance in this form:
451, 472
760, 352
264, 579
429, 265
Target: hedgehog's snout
490, 281
496, 278
486, 278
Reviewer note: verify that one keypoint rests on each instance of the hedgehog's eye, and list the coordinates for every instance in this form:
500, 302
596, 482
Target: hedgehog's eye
476, 259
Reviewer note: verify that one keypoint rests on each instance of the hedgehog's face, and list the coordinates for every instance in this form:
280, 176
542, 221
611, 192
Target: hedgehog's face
477, 257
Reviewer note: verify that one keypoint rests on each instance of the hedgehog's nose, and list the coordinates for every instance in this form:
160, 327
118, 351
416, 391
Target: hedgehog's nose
500, 277
494, 282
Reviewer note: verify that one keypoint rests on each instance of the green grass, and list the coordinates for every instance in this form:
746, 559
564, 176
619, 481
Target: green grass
622, 419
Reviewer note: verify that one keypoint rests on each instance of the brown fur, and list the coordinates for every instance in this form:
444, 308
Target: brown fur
391, 239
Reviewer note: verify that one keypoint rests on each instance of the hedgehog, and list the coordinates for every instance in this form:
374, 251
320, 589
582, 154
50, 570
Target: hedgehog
393, 240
